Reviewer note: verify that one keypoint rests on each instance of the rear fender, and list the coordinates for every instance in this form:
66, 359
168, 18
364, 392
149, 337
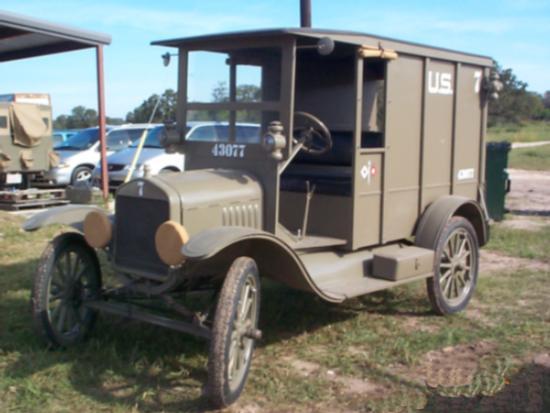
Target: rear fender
435, 218
72, 215
275, 259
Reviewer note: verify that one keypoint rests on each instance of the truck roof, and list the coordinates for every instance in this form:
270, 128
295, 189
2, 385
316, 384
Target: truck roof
349, 37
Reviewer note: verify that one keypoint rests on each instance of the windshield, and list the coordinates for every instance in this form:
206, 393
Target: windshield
122, 138
80, 141
152, 140
244, 133
57, 139
234, 93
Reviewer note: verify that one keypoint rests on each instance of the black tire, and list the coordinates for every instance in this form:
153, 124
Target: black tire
222, 388
80, 173
60, 288
454, 272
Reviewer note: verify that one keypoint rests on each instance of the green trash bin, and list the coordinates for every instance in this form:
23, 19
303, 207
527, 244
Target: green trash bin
497, 183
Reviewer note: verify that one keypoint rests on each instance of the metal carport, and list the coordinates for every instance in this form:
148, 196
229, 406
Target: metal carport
22, 37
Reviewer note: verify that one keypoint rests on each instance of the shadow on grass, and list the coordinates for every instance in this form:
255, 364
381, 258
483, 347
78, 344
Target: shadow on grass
529, 212
127, 364
526, 392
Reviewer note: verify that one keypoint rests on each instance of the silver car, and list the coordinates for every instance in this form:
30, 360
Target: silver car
154, 158
80, 153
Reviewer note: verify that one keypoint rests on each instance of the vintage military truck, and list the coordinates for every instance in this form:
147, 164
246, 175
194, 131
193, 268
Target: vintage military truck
368, 174
25, 136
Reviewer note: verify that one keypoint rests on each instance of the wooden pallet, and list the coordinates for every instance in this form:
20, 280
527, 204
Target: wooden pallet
31, 198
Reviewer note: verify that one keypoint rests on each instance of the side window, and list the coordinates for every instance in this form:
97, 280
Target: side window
374, 103
204, 133
3, 122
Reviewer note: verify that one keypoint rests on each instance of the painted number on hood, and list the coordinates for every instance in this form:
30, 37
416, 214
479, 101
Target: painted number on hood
228, 150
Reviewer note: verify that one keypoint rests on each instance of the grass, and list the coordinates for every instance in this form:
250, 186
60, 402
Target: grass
381, 339
527, 132
521, 243
537, 159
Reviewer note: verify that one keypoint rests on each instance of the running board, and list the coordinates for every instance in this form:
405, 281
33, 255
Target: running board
348, 275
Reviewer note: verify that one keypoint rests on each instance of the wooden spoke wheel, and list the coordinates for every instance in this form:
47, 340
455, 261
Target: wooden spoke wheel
68, 274
455, 268
234, 332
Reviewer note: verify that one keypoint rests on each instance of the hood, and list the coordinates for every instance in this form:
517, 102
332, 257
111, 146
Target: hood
203, 199
90, 156
125, 156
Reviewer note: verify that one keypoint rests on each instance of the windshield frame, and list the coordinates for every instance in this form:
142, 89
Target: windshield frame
284, 106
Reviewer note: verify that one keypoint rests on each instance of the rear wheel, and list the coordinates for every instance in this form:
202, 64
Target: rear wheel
234, 332
455, 267
68, 274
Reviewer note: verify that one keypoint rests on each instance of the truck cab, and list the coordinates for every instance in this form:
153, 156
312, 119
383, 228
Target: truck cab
370, 131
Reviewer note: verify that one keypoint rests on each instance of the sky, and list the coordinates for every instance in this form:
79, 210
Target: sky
516, 33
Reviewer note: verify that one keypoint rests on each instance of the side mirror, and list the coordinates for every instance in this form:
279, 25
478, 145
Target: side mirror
166, 57
325, 46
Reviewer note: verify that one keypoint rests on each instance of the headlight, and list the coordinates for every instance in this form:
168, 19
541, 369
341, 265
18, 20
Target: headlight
98, 229
63, 165
170, 238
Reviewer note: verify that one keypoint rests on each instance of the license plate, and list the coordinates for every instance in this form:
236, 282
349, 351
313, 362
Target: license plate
14, 178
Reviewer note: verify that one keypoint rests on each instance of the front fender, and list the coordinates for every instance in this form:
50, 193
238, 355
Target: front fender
72, 215
275, 259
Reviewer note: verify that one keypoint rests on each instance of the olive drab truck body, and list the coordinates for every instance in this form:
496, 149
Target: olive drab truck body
367, 173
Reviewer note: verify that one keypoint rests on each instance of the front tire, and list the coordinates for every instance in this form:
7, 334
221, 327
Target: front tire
81, 174
233, 333
68, 274
456, 267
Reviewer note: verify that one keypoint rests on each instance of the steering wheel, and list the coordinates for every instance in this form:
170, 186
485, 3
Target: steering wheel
312, 133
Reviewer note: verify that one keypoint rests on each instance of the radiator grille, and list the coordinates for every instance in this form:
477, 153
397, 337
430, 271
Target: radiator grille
115, 167
137, 220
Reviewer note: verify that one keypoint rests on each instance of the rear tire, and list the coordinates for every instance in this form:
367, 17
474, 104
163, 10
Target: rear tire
68, 274
456, 267
231, 346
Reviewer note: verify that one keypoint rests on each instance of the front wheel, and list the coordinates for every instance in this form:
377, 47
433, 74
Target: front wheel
68, 274
234, 332
455, 268
81, 174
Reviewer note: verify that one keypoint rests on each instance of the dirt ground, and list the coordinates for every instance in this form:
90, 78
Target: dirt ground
529, 194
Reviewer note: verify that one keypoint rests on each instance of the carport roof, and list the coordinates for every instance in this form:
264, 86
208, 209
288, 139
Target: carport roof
22, 37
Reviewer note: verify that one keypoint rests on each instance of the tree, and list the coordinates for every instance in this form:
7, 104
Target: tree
515, 103
165, 111
546, 99
220, 93
82, 117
